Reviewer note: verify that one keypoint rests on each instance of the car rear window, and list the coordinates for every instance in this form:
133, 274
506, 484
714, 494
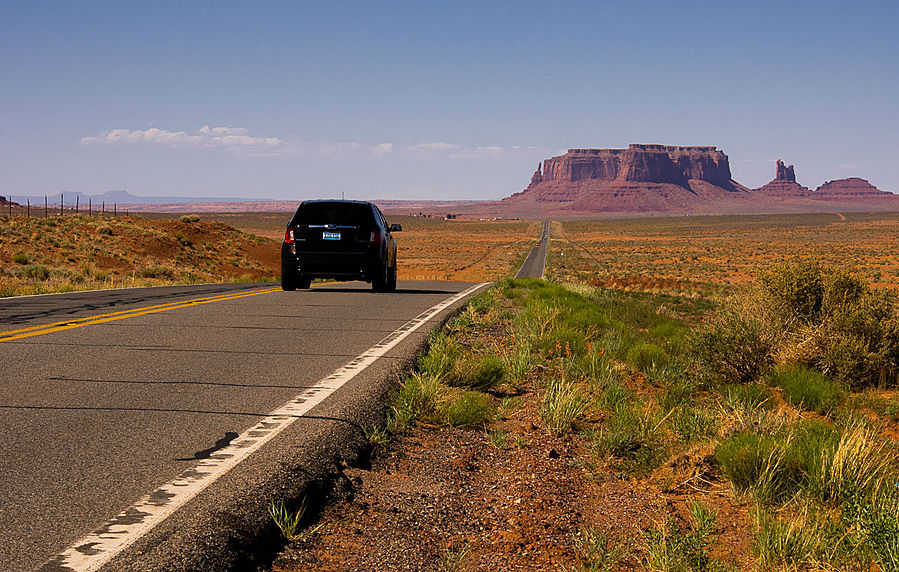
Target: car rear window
334, 213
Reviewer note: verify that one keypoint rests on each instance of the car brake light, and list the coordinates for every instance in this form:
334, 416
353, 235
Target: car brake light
375, 238
288, 236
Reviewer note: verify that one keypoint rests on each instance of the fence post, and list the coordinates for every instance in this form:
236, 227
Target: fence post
76, 203
88, 206
61, 202
46, 212
28, 207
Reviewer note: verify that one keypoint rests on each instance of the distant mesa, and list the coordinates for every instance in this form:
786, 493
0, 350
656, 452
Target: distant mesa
5, 201
853, 188
666, 179
641, 178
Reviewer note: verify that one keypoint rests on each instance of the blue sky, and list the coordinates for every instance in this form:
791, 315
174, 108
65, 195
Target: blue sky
442, 100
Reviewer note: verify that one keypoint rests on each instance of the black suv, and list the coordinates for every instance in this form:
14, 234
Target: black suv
342, 240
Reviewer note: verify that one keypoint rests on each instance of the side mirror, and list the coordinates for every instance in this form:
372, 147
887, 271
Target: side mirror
395, 228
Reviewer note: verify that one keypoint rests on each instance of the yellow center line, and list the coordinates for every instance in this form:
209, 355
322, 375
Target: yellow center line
110, 317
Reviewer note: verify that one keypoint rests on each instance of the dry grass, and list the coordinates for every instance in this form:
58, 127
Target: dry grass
60, 254
702, 254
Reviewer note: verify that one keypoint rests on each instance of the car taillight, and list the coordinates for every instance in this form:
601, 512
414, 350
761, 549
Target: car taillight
375, 238
288, 236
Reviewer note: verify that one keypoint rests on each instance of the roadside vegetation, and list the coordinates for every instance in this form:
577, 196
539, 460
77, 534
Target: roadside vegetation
764, 423
80, 252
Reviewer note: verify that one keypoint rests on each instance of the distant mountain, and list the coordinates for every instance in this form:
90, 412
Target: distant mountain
663, 179
122, 198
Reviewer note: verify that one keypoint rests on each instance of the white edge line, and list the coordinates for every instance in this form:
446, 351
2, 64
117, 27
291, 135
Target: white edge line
99, 547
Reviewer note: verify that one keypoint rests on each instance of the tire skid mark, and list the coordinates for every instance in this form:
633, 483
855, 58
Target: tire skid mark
99, 547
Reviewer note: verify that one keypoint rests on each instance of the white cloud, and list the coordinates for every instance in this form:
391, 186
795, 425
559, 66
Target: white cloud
235, 138
239, 141
454, 151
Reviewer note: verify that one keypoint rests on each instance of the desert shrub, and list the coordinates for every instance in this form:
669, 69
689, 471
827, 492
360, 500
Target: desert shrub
669, 548
645, 356
840, 326
676, 394
595, 552
33, 271
748, 396
732, 351
104, 230
477, 372
442, 354
418, 397
518, 362
189, 218
183, 240
156, 272
800, 287
807, 389
563, 405
694, 423
851, 465
469, 409
631, 434
562, 342
743, 456
20, 258
776, 467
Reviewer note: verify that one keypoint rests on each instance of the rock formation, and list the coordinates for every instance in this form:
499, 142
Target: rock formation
538, 175
641, 163
785, 173
850, 189
641, 178
784, 185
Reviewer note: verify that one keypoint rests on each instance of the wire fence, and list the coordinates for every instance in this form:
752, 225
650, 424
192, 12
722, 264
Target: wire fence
59, 207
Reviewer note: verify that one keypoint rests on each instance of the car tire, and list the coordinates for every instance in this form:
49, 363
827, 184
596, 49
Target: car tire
303, 282
288, 281
391, 279
379, 281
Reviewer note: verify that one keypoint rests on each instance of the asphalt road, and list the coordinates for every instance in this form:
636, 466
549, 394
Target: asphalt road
100, 404
535, 262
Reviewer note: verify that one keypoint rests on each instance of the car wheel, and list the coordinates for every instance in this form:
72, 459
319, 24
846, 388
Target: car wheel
288, 281
380, 280
391, 279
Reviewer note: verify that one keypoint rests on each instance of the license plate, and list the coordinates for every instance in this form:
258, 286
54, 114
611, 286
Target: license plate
330, 236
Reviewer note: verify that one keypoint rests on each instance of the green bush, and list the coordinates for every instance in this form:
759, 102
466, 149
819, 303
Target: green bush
800, 287
776, 467
743, 457
694, 423
835, 323
33, 271
563, 342
807, 389
443, 352
469, 409
645, 356
732, 351
20, 258
478, 372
